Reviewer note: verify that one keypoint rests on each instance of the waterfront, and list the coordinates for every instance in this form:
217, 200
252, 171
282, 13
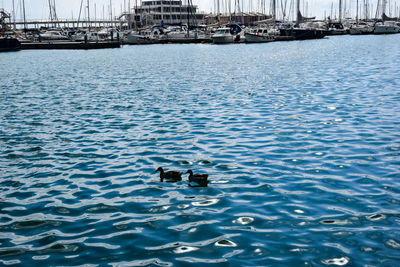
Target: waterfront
300, 139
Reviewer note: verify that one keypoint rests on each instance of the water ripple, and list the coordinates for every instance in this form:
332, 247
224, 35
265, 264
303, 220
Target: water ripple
300, 141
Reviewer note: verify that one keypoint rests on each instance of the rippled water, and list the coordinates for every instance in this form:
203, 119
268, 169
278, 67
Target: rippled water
301, 141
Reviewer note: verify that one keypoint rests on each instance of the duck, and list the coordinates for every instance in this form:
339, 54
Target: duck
173, 176
200, 178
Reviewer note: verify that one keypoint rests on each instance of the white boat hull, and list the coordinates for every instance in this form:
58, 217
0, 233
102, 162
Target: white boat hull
258, 38
223, 39
139, 39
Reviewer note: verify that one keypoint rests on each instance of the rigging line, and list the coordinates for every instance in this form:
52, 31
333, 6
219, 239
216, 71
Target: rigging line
283, 8
51, 11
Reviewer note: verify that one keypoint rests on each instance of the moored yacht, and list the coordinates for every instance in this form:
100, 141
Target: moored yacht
223, 36
233, 33
149, 36
53, 36
181, 34
361, 28
88, 36
260, 35
305, 31
386, 28
336, 28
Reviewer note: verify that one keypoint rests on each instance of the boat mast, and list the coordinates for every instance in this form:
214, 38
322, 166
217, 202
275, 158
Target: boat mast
274, 10
230, 11
136, 8
191, 13
55, 13
95, 15
129, 14
15, 25
79, 16
170, 12
298, 13
88, 14
162, 11
340, 11
283, 9
51, 12
23, 8
357, 13
188, 19
111, 14
180, 13
384, 3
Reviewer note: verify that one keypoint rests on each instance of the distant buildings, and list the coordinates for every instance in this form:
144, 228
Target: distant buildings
167, 12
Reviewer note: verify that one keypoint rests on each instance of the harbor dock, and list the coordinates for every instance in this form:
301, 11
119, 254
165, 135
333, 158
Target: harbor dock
70, 45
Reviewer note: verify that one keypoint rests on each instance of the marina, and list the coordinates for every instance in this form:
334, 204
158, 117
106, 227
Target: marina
70, 45
168, 22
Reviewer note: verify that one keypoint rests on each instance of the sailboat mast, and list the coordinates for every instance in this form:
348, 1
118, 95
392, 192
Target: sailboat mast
111, 14
54, 11
377, 9
136, 8
23, 7
340, 11
162, 10
188, 19
384, 3
95, 14
170, 12
129, 14
274, 9
15, 25
88, 14
297, 12
51, 11
357, 13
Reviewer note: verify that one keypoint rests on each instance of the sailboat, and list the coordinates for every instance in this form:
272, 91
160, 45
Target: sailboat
231, 33
262, 34
389, 27
304, 28
336, 27
259, 35
360, 27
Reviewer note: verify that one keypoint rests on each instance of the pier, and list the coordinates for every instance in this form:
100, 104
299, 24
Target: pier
70, 24
70, 45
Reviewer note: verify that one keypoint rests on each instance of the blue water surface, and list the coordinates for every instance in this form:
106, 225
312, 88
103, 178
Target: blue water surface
301, 141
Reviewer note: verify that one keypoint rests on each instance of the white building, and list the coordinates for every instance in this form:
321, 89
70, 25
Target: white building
169, 12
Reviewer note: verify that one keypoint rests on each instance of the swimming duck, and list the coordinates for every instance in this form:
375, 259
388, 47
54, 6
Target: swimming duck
199, 178
174, 176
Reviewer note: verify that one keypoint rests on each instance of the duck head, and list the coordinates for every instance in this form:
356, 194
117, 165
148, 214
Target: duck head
161, 170
190, 172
